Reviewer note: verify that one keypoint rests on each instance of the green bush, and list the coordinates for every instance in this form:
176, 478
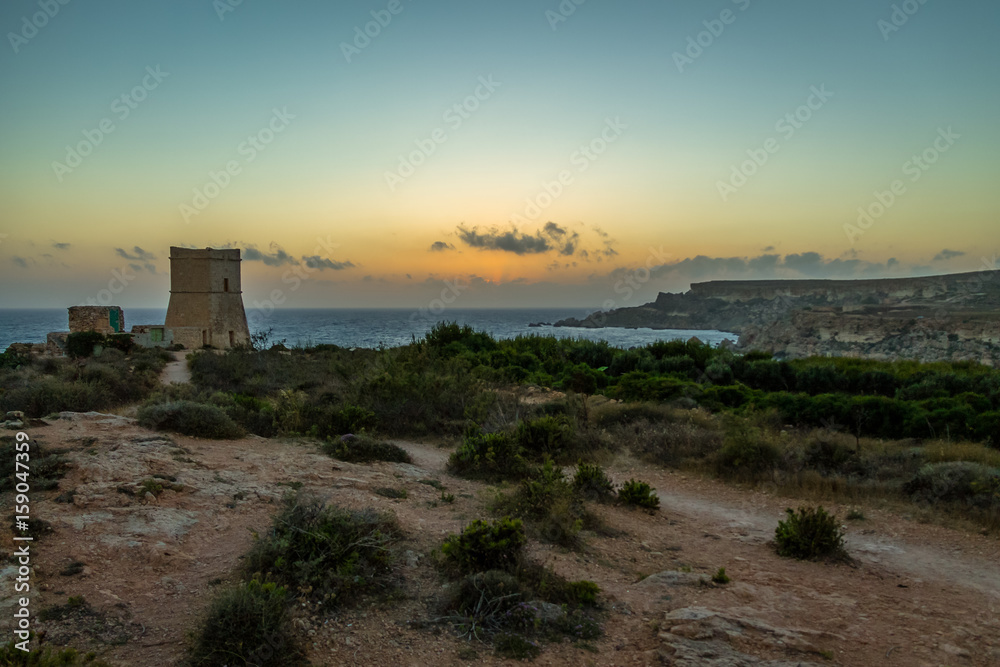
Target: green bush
746, 451
592, 483
546, 500
337, 554
248, 623
516, 646
489, 456
583, 592
82, 343
956, 481
808, 534
363, 449
190, 418
640, 494
11, 656
483, 546
551, 436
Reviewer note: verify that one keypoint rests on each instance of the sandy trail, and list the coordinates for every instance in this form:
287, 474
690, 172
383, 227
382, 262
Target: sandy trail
176, 371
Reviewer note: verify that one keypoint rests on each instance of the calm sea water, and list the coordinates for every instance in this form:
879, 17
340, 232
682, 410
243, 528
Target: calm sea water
369, 327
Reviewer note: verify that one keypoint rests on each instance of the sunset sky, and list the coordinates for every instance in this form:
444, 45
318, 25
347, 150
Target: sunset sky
531, 153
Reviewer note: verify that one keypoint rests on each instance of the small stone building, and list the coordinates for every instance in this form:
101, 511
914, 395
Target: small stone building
102, 319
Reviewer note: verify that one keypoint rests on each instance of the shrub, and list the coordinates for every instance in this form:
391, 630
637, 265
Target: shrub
828, 455
190, 418
550, 435
489, 456
249, 623
746, 452
583, 592
82, 343
592, 483
808, 534
516, 646
363, 449
957, 481
336, 554
720, 577
483, 546
11, 656
640, 494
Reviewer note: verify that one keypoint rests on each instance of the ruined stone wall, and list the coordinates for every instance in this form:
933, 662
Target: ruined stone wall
102, 319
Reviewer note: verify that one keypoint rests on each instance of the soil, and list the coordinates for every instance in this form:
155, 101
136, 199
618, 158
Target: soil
914, 594
176, 371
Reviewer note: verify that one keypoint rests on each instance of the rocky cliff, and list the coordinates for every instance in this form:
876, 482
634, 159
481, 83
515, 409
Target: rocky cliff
955, 317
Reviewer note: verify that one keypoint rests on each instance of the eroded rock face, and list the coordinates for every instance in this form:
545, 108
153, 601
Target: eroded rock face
934, 318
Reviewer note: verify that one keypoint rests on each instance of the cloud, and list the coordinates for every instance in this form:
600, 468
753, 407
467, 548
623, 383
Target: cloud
20, 261
440, 246
323, 263
553, 230
946, 254
137, 254
551, 237
506, 241
275, 258
61, 246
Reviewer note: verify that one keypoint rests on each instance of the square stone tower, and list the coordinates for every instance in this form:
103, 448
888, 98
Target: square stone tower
206, 298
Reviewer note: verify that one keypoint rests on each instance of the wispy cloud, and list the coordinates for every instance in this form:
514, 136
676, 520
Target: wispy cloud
322, 263
440, 246
946, 254
136, 254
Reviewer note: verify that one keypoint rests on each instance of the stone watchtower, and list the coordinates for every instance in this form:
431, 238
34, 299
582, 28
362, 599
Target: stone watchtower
206, 298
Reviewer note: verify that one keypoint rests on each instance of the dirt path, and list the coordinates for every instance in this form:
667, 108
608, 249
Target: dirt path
176, 371
916, 594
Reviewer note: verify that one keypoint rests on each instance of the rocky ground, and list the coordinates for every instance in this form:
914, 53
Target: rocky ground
147, 560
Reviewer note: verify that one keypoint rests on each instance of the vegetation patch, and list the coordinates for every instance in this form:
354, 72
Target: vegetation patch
489, 456
502, 598
810, 533
639, 494
190, 418
11, 656
247, 623
336, 554
364, 449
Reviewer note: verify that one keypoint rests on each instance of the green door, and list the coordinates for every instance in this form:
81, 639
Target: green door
113, 320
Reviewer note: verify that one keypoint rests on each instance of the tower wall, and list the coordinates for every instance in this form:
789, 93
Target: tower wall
206, 294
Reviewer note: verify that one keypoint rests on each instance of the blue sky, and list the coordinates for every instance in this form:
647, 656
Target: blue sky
327, 174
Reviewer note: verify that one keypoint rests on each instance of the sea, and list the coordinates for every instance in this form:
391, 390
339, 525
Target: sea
371, 328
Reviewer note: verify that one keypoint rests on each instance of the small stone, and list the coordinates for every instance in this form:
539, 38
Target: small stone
150, 498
